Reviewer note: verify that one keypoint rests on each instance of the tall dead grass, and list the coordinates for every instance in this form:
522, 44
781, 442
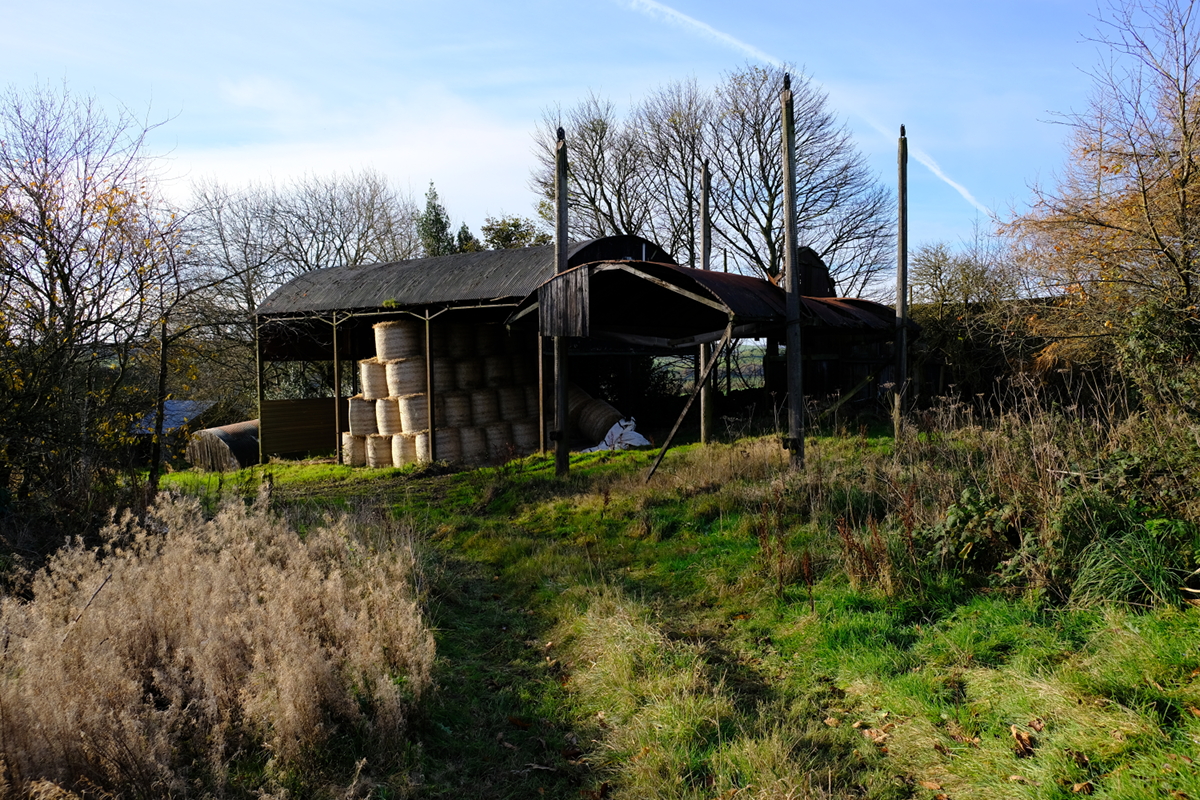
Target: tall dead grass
188, 656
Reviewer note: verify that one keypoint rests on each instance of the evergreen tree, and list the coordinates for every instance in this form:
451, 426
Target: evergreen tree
433, 227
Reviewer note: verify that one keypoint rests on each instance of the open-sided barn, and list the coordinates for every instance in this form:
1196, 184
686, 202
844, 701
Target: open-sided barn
464, 339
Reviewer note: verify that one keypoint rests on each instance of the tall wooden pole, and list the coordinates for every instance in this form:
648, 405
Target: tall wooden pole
337, 394
430, 400
262, 389
562, 455
708, 394
901, 285
795, 357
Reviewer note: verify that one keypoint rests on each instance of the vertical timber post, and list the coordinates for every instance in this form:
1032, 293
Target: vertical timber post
708, 390
429, 398
337, 394
258, 365
901, 285
729, 349
562, 455
795, 357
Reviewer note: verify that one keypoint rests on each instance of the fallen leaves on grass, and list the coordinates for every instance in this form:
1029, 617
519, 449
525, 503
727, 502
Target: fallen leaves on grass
1023, 742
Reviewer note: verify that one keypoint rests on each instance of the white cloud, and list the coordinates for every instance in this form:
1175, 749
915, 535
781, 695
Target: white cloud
479, 168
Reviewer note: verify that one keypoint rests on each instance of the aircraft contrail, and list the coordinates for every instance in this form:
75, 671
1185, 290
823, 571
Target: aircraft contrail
679, 19
655, 9
927, 161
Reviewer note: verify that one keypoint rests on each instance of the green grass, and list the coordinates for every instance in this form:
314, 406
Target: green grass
597, 634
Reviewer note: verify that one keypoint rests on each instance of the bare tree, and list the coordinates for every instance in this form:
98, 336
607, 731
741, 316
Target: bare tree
608, 186
641, 175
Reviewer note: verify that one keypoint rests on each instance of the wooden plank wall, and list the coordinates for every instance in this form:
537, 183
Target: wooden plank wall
300, 426
563, 304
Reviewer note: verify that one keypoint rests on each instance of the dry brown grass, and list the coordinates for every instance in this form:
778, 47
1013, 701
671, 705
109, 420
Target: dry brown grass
185, 650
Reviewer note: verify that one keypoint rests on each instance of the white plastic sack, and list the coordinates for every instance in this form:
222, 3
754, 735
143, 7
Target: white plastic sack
621, 436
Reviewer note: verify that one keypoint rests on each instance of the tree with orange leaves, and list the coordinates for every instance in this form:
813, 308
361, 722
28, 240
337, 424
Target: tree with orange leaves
1117, 240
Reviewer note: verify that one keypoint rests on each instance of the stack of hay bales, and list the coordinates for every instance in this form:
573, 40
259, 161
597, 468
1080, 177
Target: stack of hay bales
485, 395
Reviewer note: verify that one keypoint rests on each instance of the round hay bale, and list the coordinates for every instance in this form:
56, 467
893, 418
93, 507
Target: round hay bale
525, 436
387, 416
414, 412
449, 444
362, 416
485, 408
457, 407
421, 443
576, 399
374, 378
499, 440
400, 338
512, 403
379, 450
531, 399
460, 341
224, 449
489, 340
444, 377
474, 445
404, 449
402, 445
596, 418
497, 370
354, 449
405, 376
468, 373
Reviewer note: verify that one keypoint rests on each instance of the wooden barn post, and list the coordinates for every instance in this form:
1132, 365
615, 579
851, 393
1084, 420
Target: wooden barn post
901, 284
337, 393
430, 400
562, 455
258, 366
795, 358
708, 391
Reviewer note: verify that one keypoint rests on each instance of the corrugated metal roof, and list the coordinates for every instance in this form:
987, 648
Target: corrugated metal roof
747, 298
463, 278
750, 299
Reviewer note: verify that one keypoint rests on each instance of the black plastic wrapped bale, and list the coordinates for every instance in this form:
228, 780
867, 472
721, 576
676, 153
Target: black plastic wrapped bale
224, 449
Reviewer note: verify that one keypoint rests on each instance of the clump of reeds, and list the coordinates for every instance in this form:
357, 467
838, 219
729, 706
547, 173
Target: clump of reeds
187, 654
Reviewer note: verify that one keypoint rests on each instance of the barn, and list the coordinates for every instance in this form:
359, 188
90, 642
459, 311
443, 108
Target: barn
457, 344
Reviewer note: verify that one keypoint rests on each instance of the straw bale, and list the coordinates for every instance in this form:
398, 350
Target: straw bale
596, 418
414, 412
354, 449
499, 440
374, 378
457, 407
387, 416
405, 376
379, 450
485, 408
525, 435
404, 449
399, 339
474, 445
497, 370
362, 416
469, 373
512, 403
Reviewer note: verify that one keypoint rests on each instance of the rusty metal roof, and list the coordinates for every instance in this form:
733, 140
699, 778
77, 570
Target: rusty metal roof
745, 299
490, 276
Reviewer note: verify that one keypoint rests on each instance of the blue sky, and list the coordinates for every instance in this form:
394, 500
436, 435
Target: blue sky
451, 92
